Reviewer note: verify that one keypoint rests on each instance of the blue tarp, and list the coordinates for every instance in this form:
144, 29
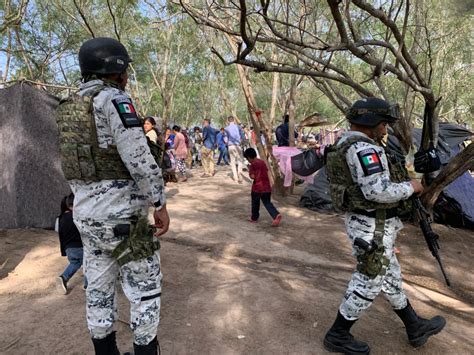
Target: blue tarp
461, 191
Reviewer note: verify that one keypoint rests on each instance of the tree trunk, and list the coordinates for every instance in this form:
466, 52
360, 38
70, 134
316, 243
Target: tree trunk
404, 127
227, 105
457, 166
291, 111
259, 123
7, 63
275, 89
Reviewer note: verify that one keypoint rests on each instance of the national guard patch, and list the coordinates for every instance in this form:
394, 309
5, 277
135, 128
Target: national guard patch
370, 161
127, 113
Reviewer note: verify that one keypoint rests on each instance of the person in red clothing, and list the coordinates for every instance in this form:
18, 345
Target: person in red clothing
261, 188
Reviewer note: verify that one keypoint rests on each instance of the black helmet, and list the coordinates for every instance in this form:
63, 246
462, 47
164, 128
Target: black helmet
371, 111
103, 56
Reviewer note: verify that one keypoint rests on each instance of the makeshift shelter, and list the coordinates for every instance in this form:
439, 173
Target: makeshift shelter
455, 205
32, 182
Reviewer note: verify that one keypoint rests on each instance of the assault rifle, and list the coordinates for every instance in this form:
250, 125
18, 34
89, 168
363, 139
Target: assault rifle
431, 237
422, 214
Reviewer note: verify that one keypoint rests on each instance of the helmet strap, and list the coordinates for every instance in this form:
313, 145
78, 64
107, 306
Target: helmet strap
374, 134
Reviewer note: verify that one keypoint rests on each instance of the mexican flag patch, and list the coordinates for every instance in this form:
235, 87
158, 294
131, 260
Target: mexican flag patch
126, 108
370, 161
126, 111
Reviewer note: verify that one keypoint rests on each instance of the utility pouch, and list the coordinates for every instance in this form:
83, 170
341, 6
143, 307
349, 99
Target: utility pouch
405, 210
371, 263
138, 243
160, 156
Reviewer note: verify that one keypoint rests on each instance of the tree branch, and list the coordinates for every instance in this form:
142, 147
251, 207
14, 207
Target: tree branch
380, 14
457, 166
113, 21
84, 19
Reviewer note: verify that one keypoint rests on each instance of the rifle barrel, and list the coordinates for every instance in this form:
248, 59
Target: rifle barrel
431, 237
438, 258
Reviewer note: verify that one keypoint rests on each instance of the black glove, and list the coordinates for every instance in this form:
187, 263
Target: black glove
427, 161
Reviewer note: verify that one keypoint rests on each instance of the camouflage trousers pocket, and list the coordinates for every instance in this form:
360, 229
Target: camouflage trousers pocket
138, 243
372, 263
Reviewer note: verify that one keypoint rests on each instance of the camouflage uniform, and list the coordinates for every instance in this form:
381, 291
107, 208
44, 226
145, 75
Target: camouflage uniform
374, 192
100, 206
377, 187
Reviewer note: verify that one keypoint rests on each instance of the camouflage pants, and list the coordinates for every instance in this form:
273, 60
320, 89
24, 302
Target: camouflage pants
141, 282
362, 290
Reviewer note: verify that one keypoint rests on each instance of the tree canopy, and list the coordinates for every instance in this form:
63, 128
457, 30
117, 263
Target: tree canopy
405, 51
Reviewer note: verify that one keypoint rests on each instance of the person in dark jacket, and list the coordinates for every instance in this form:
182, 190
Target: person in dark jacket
70, 243
282, 133
222, 141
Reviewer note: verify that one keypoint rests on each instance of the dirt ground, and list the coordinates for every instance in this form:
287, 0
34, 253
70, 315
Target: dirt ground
232, 287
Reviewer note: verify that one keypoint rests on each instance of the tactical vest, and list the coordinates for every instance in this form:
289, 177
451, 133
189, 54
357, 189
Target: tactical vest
81, 156
345, 194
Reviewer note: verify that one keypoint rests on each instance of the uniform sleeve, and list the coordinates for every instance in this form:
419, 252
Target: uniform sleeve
369, 168
133, 149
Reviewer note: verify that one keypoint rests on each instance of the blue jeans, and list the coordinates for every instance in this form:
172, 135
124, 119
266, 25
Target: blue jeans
74, 256
266, 200
223, 154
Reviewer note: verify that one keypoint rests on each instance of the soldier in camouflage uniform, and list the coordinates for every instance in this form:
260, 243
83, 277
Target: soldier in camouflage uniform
108, 203
365, 185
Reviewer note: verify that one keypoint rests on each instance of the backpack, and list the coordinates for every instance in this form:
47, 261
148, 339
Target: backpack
171, 160
306, 163
156, 150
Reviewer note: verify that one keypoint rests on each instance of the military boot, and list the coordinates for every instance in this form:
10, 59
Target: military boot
152, 348
339, 340
419, 329
106, 346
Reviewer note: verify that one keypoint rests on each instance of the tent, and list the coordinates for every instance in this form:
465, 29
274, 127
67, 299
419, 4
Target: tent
32, 182
455, 205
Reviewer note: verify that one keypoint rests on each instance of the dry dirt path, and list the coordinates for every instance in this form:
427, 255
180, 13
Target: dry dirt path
232, 287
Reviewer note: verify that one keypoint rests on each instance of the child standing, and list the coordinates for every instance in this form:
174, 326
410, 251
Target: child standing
70, 243
261, 188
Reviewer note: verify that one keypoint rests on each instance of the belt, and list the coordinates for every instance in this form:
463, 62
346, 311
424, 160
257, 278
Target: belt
391, 212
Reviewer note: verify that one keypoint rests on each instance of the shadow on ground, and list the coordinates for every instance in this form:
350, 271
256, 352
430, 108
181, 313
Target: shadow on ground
232, 287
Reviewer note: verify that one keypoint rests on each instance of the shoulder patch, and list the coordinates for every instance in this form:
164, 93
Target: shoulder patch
126, 111
370, 161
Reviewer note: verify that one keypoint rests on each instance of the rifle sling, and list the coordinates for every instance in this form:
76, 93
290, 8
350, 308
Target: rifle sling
380, 217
